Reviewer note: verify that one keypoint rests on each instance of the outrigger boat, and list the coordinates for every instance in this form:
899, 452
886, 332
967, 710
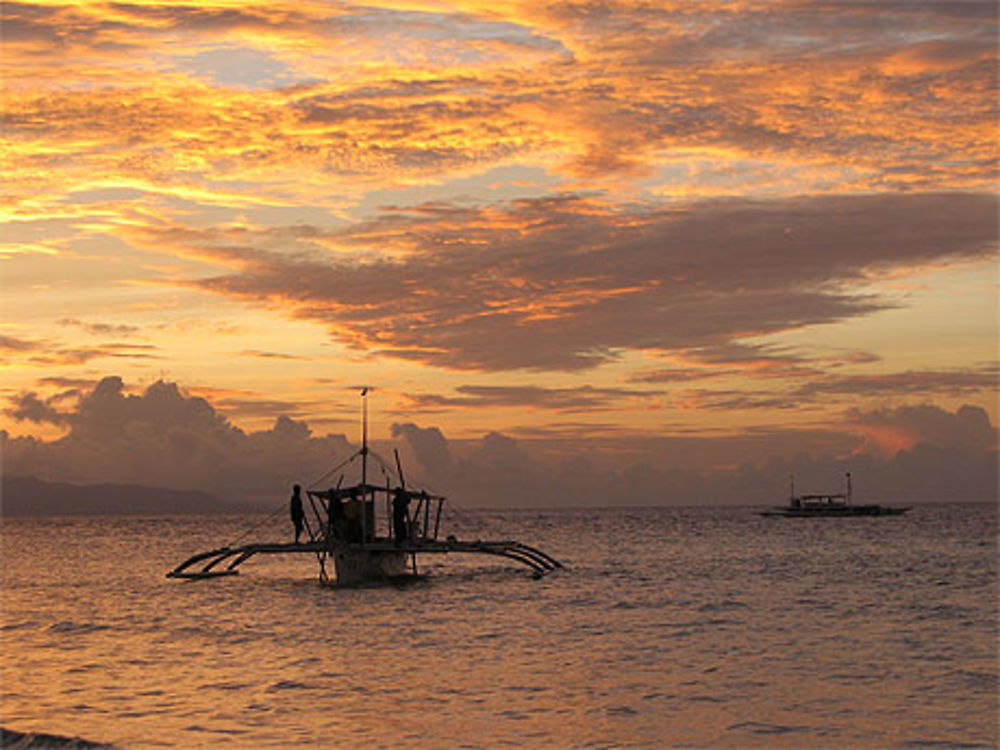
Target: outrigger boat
836, 505
346, 531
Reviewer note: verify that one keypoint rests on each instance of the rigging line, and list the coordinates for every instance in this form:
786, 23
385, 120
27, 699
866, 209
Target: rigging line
455, 512
387, 471
309, 531
336, 468
256, 526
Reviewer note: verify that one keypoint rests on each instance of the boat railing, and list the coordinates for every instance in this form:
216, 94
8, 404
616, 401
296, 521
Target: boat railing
425, 518
821, 500
365, 514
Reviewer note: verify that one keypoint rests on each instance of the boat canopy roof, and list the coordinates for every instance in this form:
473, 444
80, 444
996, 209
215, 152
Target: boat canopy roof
823, 497
357, 491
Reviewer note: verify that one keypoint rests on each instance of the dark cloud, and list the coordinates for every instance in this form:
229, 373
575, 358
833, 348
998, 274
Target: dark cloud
744, 355
739, 400
732, 359
100, 329
968, 427
580, 399
14, 344
29, 407
773, 32
53, 354
919, 10
820, 388
195, 18
428, 444
920, 382
75, 383
854, 358
680, 375
257, 407
568, 284
54, 26
269, 355
59, 356
801, 382
66, 25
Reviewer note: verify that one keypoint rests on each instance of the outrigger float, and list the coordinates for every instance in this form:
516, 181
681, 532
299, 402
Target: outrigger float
347, 533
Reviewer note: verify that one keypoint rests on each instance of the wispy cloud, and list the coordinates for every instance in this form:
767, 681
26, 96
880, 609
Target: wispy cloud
567, 400
16, 344
67, 355
816, 388
923, 383
270, 355
101, 329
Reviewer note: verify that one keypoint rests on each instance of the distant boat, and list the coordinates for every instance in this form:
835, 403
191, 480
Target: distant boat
835, 505
365, 533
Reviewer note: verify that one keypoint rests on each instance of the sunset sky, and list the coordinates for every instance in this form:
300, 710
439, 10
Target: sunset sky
661, 234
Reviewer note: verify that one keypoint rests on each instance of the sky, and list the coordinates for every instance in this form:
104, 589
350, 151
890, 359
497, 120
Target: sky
581, 252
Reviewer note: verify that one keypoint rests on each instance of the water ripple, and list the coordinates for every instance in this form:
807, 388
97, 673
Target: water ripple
709, 627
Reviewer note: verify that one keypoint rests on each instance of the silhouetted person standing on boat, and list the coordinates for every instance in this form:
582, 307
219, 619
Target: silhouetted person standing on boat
400, 506
295, 507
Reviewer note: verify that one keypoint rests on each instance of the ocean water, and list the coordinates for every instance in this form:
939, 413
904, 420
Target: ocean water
699, 628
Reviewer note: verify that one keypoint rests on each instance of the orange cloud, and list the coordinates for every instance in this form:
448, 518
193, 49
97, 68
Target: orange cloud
751, 81
579, 286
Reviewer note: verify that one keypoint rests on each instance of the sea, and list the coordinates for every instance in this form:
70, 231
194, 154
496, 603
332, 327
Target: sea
667, 628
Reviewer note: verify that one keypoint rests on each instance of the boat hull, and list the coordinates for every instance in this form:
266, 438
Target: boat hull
848, 511
359, 566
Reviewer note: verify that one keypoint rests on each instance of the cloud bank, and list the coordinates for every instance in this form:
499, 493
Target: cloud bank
164, 437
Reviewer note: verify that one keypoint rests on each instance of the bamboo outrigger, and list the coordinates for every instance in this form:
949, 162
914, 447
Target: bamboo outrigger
346, 531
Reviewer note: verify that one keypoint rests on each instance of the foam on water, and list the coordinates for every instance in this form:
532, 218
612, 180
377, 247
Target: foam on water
669, 628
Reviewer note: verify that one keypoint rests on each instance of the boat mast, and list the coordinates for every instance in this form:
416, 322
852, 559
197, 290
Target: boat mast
364, 461
849, 488
364, 435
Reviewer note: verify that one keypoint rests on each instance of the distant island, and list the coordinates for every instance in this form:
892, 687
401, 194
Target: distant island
30, 496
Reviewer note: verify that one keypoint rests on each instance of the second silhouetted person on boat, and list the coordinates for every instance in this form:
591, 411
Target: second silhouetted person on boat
295, 509
400, 515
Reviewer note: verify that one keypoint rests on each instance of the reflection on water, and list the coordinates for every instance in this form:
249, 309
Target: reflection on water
703, 628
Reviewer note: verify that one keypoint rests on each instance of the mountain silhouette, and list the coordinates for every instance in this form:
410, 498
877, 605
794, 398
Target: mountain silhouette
30, 496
